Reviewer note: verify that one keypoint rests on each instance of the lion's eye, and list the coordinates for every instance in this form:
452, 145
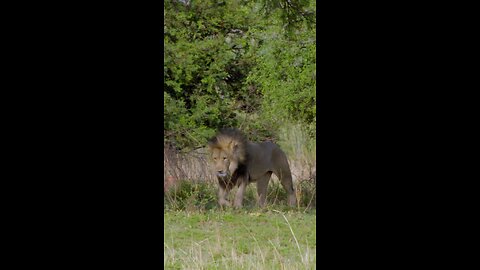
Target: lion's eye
224, 158
214, 158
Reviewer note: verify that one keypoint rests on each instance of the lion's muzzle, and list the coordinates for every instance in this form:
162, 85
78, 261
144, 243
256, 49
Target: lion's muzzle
221, 174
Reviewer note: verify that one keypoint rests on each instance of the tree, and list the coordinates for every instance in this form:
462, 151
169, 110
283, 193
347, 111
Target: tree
226, 65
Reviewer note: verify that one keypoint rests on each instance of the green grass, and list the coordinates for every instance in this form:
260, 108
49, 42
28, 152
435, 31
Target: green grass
200, 235
239, 239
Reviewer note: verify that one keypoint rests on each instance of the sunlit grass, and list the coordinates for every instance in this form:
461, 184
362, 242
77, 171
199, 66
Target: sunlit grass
239, 239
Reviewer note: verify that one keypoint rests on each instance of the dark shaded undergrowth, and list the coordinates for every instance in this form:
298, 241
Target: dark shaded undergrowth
202, 196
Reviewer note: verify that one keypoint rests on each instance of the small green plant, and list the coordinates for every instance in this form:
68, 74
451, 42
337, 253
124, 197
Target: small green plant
188, 195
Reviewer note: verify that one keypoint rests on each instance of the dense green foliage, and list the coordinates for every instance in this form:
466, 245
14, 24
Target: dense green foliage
247, 64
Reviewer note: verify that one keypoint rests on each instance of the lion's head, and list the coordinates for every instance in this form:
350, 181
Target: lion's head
228, 150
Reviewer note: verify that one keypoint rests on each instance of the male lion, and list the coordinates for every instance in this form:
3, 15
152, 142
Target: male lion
239, 162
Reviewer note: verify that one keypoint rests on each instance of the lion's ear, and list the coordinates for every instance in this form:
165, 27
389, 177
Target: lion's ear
234, 146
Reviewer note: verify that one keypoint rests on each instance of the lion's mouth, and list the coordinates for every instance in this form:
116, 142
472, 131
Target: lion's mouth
223, 174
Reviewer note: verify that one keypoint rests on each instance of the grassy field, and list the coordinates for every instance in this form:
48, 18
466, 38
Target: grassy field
200, 235
239, 239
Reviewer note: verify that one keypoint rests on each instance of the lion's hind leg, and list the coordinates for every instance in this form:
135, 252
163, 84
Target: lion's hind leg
285, 177
282, 171
262, 185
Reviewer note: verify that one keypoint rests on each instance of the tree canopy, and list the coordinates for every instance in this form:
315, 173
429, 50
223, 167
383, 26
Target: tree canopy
249, 64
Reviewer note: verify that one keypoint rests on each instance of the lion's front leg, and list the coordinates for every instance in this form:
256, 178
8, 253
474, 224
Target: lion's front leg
242, 186
222, 196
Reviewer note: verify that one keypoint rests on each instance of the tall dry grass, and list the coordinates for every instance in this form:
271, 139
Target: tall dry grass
300, 150
191, 166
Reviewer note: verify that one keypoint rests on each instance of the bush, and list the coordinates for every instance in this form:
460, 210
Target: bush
226, 66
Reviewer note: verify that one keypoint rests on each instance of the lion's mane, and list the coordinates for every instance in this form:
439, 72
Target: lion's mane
233, 142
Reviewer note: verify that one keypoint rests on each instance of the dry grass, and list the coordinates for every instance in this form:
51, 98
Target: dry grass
195, 166
300, 150
192, 166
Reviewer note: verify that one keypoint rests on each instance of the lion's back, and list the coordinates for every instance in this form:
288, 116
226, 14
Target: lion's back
263, 156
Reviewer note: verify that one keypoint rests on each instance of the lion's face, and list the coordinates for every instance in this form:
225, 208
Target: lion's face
227, 151
222, 163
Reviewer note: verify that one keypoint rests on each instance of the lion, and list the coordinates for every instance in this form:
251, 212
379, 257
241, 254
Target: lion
238, 162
